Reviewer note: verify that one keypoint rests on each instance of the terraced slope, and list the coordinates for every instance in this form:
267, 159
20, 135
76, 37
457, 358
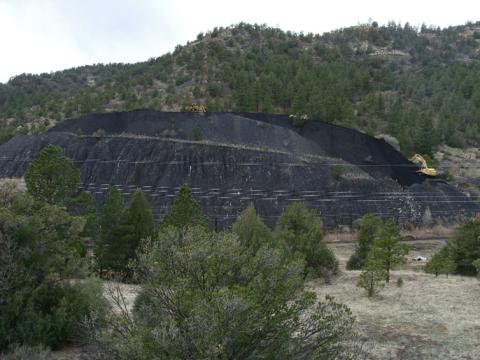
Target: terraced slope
231, 160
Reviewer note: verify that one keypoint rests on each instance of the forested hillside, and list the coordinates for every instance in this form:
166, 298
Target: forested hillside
420, 85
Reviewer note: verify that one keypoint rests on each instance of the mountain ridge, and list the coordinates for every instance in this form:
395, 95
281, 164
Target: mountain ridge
419, 85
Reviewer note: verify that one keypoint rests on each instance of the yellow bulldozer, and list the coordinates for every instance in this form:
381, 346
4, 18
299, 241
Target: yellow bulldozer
424, 169
199, 108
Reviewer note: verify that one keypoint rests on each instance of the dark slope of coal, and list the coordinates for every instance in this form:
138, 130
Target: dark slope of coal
242, 159
223, 128
375, 156
269, 131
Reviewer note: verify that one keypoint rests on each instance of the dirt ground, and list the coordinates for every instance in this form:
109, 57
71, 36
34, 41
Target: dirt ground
426, 318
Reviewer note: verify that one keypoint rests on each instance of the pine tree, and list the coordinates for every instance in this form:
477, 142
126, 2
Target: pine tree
369, 226
85, 205
185, 212
424, 139
300, 229
251, 230
105, 248
476, 265
441, 263
136, 224
372, 277
464, 247
52, 177
387, 249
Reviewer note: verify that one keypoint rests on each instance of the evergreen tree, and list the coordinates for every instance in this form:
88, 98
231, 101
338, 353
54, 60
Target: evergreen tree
40, 252
424, 139
136, 224
476, 265
185, 212
300, 230
84, 205
372, 277
106, 247
441, 263
369, 226
464, 247
387, 249
52, 177
251, 230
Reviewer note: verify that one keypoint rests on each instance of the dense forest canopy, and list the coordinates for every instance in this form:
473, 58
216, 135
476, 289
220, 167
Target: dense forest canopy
421, 85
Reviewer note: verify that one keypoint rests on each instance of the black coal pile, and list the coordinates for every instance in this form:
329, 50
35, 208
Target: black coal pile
233, 159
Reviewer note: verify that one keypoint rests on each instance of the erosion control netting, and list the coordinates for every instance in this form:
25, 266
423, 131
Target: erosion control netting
267, 131
238, 162
375, 156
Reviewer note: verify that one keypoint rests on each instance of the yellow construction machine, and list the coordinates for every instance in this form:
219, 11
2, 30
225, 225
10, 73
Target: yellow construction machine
302, 117
424, 169
298, 119
199, 108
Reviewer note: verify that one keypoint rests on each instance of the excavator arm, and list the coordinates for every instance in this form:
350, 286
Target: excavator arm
424, 169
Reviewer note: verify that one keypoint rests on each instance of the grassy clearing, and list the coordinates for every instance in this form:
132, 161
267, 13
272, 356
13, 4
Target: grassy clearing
427, 318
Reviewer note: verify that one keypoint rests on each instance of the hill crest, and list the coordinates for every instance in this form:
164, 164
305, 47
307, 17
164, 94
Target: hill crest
419, 85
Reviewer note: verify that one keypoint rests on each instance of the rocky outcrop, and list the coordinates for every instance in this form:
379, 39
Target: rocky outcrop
238, 159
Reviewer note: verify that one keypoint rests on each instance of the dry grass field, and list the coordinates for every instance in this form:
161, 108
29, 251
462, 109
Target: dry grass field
426, 318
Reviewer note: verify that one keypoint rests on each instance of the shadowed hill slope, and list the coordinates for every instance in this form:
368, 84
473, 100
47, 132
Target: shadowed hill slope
266, 131
241, 159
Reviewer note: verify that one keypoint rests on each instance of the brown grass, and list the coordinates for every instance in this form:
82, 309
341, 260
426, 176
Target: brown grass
421, 233
427, 318
437, 231
19, 182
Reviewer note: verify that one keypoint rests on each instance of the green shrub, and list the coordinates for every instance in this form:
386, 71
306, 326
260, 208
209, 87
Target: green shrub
206, 297
372, 277
49, 315
355, 262
337, 171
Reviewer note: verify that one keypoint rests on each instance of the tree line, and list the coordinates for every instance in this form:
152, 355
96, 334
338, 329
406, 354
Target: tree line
379, 250
202, 294
425, 95
234, 294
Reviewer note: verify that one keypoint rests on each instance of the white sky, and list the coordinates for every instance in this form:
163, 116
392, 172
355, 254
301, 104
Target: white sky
47, 35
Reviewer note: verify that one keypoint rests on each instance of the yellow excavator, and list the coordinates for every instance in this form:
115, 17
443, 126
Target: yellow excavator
199, 108
303, 117
424, 169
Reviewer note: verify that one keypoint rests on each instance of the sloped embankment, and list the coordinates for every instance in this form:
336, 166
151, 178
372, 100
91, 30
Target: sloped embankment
237, 159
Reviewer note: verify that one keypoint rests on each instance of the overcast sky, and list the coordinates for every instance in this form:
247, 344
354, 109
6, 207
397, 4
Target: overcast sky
47, 35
